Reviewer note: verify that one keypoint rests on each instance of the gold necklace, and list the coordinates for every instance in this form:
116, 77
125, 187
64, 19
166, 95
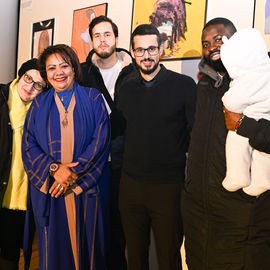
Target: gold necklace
65, 120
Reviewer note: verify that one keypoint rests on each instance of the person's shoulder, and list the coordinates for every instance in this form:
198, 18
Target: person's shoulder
128, 74
204, 79
91, 92
178, 75
123, 53
85, 66
4, 88
88, 62
122, 50
124, 56
4, 93
128, 71
42, 97
180, 78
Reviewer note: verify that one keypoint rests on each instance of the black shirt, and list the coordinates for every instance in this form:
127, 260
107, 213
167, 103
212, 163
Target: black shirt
158, 120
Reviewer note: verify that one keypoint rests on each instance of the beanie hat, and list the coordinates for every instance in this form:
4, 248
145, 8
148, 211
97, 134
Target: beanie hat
30, 64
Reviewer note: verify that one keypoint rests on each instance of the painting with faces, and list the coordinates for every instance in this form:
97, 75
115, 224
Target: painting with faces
42, 36
179, 22
81, 41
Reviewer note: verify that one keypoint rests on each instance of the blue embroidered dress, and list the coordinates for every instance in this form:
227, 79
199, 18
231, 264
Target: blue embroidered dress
70, 228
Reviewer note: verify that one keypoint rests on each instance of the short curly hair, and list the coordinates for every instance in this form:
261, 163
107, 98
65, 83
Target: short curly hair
219, 20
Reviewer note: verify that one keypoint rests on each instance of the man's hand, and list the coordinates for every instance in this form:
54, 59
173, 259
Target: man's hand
231, 119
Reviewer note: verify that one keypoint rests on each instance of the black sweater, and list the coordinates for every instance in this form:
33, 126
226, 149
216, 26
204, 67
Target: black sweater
158, 120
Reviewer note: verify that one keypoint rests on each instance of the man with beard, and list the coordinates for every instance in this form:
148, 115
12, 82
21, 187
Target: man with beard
105, 66
223, 230
158, 109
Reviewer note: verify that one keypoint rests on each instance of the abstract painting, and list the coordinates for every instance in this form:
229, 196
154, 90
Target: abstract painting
179, 22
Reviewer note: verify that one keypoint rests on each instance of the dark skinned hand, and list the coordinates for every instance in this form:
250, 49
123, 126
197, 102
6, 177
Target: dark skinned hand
231, 118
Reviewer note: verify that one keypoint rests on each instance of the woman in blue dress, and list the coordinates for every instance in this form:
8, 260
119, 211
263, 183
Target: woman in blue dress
65, 150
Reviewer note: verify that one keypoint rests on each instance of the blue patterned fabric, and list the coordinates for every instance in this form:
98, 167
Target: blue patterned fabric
41, 146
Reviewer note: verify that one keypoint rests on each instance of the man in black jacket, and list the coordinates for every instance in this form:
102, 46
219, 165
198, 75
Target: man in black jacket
223, 230
105, 66
158, 107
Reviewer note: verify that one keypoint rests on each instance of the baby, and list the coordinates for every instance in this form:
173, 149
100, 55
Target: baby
245, 58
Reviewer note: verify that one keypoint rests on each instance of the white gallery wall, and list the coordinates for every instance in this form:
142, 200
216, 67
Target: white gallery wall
120, 11
8, 44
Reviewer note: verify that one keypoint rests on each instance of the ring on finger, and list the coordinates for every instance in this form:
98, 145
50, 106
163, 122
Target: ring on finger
61, 188
58, 186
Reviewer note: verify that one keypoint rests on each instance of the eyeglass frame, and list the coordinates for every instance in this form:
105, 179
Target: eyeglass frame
147, 49
31, 81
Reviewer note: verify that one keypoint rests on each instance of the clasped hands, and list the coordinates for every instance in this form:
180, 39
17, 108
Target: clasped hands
64, 178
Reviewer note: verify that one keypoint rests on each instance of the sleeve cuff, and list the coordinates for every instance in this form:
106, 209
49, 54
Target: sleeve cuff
45, 187
248, 127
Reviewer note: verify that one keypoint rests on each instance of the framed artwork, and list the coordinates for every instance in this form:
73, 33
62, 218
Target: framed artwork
81, 41
179, 22
261, 19
42, 36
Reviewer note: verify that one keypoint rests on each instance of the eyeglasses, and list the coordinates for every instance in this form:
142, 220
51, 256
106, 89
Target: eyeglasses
152, 50
37, 85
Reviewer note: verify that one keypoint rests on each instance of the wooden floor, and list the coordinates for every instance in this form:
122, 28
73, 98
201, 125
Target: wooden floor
152, 257
34, 258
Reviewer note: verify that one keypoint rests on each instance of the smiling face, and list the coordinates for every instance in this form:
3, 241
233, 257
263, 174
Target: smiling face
59, 73
211, 43
147, 64
104, 40
26, 91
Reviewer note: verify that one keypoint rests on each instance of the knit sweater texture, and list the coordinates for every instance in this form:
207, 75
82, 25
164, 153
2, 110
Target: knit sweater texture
158, 121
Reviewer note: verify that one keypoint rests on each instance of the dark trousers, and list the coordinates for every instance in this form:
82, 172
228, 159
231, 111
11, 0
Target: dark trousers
144, 206
11, 235
116, 256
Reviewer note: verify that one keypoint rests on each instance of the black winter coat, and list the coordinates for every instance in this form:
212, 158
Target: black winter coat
5, 140
93, 78
223, 230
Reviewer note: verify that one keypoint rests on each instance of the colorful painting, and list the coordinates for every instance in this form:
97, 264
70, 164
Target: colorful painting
179, 22
267, 18
42, 36
261, 19
81, 41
